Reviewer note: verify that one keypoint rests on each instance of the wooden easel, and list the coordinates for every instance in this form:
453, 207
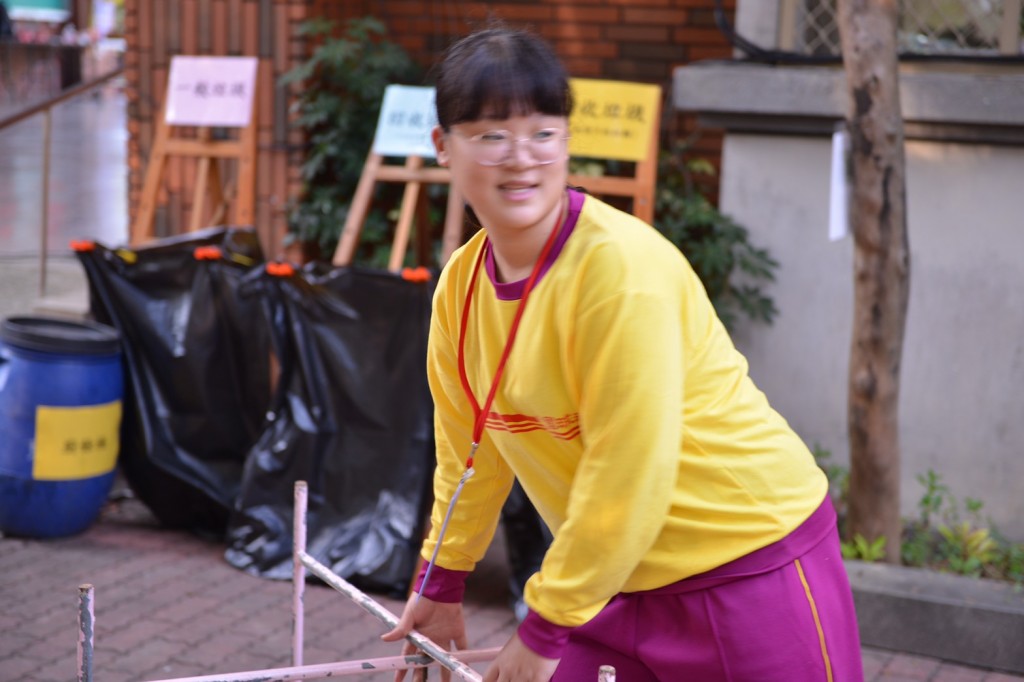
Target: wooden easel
414, 175
208, 179
640, 187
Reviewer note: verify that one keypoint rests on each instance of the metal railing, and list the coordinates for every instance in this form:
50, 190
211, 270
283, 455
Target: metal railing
950, 28
45, 108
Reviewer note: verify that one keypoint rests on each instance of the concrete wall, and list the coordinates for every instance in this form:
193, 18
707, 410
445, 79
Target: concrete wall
962, 400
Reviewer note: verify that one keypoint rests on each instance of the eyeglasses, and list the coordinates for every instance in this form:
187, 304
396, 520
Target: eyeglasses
496, 147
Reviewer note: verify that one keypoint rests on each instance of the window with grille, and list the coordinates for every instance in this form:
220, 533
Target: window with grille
938, 27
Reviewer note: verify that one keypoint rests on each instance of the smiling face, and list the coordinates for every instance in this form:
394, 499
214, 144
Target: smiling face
504, 80
524, 188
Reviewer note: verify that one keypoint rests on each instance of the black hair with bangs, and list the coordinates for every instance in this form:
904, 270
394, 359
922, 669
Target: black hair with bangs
497, 73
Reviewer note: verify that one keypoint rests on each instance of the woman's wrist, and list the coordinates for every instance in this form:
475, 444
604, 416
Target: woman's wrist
543, 637
445, 585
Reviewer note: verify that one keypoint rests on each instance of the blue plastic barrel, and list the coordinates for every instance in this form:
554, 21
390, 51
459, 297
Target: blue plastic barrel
61, 391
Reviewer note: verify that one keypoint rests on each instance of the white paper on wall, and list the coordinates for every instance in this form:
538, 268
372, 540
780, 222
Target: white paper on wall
838, 215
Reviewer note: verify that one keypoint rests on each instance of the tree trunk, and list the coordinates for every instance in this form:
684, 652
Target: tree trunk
881, 267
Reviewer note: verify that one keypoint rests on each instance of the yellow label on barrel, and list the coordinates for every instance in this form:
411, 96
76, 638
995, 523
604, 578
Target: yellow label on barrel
612, 119
76, 442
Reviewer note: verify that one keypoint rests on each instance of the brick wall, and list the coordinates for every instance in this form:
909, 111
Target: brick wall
635, 40
641, 40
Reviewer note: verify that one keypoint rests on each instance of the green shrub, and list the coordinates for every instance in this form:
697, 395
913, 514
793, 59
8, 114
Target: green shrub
946, 539
862, 549
942, 537
340, 91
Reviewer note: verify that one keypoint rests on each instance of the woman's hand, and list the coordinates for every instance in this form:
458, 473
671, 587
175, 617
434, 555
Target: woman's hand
518, 663
442, 623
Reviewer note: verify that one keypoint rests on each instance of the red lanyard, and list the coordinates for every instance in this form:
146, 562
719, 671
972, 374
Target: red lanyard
480, 413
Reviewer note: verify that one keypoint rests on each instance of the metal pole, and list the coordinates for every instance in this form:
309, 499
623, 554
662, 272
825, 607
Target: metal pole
43, 236
298, 570
432, 649
85, 632
320, 671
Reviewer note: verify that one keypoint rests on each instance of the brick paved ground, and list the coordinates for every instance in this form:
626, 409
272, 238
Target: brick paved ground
168, 605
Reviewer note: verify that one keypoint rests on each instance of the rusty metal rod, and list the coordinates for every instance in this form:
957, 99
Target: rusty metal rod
85, 632
44, 228
298, 570
338, 669
432, 649
63, 96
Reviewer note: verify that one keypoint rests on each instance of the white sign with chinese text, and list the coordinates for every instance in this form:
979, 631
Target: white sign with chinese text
211, 91
407, 115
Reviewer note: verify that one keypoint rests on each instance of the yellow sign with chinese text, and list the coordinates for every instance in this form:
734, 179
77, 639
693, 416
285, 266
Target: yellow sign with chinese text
76, 442
612, 119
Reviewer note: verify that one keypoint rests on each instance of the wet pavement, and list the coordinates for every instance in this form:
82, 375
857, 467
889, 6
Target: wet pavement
87, 200
88, 176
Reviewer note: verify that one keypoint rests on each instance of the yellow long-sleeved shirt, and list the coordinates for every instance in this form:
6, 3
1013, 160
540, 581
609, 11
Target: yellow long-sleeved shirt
626, 413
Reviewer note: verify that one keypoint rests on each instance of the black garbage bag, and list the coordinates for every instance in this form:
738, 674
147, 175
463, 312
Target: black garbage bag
197, 358
352, 416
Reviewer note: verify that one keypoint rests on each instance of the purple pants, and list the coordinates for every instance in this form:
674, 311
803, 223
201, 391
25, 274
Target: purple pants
795, 623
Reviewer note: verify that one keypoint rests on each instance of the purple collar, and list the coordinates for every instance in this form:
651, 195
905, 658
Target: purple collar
513, 291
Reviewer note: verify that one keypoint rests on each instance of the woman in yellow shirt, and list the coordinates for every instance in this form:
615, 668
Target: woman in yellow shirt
573, 347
